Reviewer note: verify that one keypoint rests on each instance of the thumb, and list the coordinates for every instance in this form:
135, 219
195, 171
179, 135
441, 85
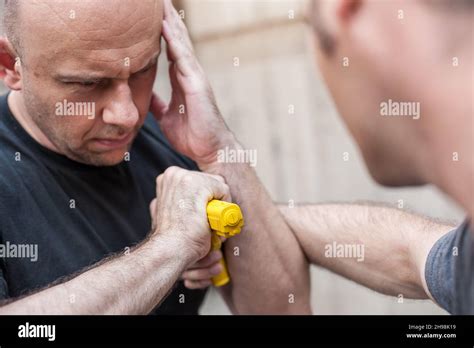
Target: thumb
153, 214
153, 207
158, 107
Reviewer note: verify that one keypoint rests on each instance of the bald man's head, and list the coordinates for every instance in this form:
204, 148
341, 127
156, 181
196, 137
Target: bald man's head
101, 52
17, 12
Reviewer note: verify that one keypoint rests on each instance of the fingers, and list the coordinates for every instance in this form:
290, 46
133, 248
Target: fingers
197, 189
153, 214
214, 186
200, 284
179, 47
175, 22
212, 258
210, 186
153, 207
217, 177
159, 184
176, 97
178, 52
203, 273
218, 190
227, 196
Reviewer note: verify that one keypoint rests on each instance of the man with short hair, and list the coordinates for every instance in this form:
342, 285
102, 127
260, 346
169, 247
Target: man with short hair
79, 157
400, 73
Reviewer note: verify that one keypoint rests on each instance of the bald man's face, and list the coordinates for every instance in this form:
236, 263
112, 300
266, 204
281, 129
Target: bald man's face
88, 69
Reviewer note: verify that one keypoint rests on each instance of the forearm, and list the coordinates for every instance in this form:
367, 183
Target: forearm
127, 284
270, 273
268, 269
394, 244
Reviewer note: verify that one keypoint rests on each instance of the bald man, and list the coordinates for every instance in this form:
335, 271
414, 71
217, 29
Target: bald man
79, 158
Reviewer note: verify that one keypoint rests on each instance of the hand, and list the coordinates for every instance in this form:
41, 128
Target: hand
199, 275
198, 131
179, 210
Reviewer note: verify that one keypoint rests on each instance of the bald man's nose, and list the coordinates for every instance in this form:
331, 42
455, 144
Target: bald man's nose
121, 110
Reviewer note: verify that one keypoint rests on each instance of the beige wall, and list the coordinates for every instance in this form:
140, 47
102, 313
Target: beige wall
300, 155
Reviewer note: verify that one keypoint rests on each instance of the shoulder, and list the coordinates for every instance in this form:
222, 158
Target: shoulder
15, 166
10, 177
11, 189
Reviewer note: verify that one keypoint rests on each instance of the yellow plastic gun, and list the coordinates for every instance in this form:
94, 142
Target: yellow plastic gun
226, 220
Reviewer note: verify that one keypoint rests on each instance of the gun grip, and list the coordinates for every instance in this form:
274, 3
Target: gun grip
222, 278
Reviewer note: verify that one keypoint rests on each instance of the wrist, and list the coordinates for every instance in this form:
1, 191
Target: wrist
224, 142
226, 149
172, 248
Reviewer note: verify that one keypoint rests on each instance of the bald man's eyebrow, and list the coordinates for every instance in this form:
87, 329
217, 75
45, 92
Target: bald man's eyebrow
151, 63
98, 76
78, 77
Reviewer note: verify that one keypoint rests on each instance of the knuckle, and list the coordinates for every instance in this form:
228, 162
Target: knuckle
188, 178
171, 170
168, 172
225, 189
173, 173
188, 54
219, 178
159, 178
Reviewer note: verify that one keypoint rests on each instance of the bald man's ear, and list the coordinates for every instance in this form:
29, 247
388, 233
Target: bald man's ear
9, 65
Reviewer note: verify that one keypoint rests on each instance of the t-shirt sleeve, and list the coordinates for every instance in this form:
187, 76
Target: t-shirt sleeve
449, 271
3, 282
440, 269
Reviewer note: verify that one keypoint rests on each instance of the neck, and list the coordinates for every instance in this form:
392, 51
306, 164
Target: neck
458, 184
18, 109
451, 158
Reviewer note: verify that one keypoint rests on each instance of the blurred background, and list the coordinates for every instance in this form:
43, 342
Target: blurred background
258, 56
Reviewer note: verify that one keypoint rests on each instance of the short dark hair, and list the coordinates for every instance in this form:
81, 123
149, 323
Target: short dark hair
325, 40
327, 43
452, 4
11, 14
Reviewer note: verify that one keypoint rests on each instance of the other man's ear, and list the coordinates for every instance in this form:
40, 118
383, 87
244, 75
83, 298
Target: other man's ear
9, 65
330, 19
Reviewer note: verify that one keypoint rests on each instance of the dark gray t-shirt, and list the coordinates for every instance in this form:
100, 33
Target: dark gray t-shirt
450, 271
109, 213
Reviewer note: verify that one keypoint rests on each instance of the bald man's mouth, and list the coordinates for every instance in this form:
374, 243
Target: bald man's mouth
108, 144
